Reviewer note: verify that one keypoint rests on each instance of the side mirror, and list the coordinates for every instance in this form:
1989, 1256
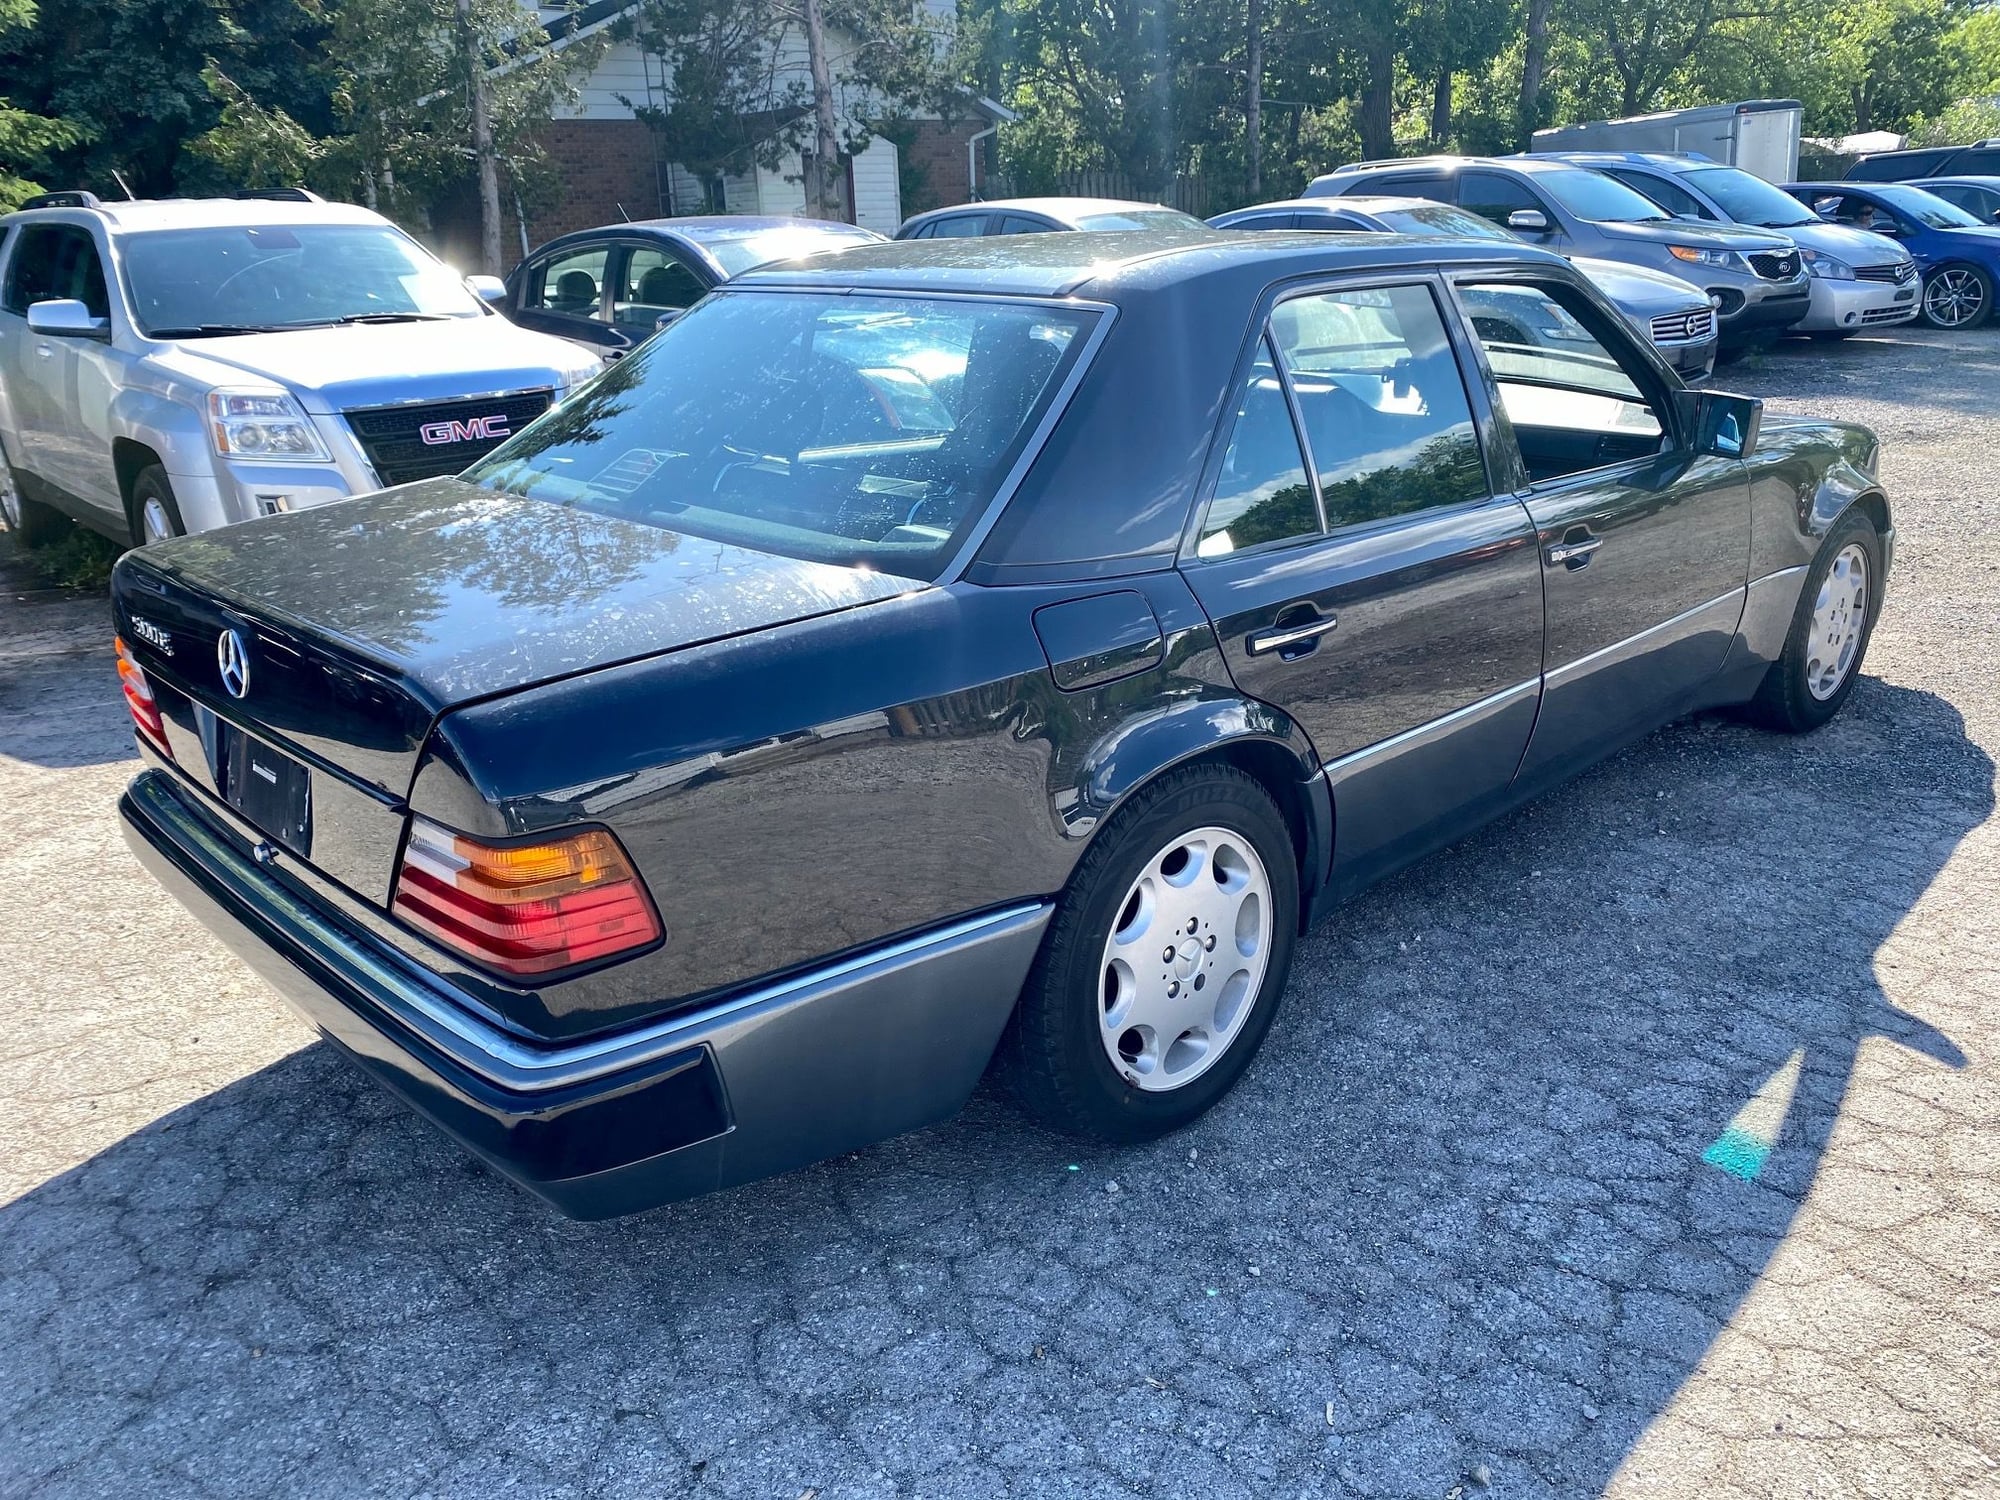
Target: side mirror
66, 318
1722, 425
488, 289
1528, 221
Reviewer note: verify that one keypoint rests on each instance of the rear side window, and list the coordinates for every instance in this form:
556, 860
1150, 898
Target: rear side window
859, 430
1671, 196
1387, 422
654, 282
1262, 494
964, 227
1433, 185
56, 262
571, 284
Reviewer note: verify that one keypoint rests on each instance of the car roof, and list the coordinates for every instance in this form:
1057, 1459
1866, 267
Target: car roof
1987, 181
1053, 208
141, 215
1107, 262
1526, 164
1666, 161
716, 229
1360, 203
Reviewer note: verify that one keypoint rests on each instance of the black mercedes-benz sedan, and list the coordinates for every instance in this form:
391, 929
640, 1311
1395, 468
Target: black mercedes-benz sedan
957, 653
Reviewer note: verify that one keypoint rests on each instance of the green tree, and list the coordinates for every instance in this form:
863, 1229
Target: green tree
26, 138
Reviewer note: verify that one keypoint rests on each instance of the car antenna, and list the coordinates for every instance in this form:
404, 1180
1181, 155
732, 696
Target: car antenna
124, 186
623, 215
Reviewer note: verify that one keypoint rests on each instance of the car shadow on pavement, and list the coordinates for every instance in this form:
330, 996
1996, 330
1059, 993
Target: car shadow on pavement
1533, 1121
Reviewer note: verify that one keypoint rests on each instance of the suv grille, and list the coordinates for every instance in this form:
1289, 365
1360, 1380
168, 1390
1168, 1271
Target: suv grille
1775, 265
406, 443
1683, 328
1900, 272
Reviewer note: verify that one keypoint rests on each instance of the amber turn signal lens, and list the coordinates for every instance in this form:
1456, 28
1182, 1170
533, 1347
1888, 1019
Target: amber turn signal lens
139, 699
524, 909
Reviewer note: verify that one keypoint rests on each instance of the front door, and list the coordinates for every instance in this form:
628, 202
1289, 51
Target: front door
61, 387
1367, 580
565, 294
1645, 543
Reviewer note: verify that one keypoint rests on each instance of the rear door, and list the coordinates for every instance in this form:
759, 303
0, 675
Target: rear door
1645, 544
1361, 572
564, 293
649, 281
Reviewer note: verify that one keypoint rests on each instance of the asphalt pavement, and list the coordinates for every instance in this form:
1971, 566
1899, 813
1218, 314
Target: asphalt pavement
1646, 1143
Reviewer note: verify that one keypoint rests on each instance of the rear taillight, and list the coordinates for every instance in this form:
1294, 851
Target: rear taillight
139, 699
524, 909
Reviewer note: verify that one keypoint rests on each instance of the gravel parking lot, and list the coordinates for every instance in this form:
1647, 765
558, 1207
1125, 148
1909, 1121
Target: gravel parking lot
1462, 1230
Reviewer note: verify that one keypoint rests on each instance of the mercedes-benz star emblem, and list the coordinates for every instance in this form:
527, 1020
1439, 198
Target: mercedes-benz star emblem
232, 659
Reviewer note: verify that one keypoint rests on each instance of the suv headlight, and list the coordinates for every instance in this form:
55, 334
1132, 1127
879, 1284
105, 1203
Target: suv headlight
1699, 256
1827, 267
262, 426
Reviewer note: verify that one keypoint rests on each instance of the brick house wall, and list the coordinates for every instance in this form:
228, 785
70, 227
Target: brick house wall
934, 174
605, 166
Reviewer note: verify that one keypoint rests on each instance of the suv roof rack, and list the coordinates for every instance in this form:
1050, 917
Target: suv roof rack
71, 198
280, 195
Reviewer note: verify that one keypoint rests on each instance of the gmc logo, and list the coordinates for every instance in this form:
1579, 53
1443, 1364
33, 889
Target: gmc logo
470, 430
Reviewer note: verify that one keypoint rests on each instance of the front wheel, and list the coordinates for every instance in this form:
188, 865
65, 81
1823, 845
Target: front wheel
1957, 296
156, 515
1835, 617
1162, 969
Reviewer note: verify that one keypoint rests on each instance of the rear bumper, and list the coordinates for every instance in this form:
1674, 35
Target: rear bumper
824, 1062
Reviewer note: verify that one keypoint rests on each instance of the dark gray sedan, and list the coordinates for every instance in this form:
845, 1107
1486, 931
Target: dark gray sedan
940, 656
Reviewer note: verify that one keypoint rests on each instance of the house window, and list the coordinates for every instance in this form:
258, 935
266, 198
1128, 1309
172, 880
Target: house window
715, 195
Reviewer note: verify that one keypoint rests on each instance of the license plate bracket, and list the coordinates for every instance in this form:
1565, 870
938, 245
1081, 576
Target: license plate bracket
270, 789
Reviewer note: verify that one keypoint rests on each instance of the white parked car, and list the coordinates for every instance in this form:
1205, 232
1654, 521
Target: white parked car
168, 367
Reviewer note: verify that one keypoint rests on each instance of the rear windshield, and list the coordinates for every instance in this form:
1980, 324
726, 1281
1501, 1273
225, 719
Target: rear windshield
739, 253
1926, 208
1137, 218
185, 282
865, 430
1441, 218
1597, 199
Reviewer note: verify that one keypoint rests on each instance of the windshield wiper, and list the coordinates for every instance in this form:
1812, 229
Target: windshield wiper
394, 317
213, 330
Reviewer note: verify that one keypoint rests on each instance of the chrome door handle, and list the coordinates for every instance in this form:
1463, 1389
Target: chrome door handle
1284, 637
1574, 554
45, 351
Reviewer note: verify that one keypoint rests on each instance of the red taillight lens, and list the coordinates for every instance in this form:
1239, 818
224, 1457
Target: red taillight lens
524, 909
139, 699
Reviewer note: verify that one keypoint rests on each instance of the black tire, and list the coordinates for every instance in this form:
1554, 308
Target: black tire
34, 523
151, 485
1052, 1053
1973, 283
1784, 701
1831, 335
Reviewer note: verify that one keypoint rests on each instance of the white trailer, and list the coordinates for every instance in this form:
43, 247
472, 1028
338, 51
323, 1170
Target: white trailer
1758, 135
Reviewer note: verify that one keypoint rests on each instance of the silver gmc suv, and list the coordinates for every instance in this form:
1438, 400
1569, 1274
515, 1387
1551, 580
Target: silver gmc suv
167, 367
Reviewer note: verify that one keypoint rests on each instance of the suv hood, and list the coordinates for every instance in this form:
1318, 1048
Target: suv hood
1702, 236
368, 618
1638, 290
377, 364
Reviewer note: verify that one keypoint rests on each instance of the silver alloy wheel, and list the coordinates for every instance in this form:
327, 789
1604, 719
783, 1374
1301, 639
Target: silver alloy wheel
1838, 615
155, 522
10, 498
1185, 959
1954, 297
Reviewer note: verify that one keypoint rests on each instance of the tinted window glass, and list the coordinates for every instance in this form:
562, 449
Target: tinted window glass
1749, 199
1598, 199
1671, 196
571, 283
1262, 494
1571, 402
1281, 221
1139, 218
1925, 208
737, 253
654, 282
1493, 197
858, 430
1385, 410
1440, 218
57, 262
1015, 224
965, 226
1416, 185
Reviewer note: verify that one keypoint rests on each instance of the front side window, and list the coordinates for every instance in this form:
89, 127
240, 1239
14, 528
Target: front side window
1262, 494
57, 262
190, 281
1597, 199
861, 430
1384, 406
1926, 208
1572, 402
571, 284
1493, 197
1749, 199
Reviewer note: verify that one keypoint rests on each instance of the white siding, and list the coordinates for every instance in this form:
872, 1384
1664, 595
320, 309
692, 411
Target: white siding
622, 70
782, 191
878, 193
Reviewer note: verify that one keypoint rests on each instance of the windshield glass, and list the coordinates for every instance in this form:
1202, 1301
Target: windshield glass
1439, 218
863, 430
746, 252
1597, 199
1927, 209
1748, 199
1137, 218
186, 281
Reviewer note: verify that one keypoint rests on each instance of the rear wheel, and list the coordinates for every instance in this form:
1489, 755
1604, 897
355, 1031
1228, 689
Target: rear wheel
34, 523
1957, 296
1164, 964
156, 515
1835, 617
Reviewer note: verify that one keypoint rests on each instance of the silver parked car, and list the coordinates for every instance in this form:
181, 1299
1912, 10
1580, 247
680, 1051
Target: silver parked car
168, 367
1757, 275
1859, 280
1040, 216
1679, 319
